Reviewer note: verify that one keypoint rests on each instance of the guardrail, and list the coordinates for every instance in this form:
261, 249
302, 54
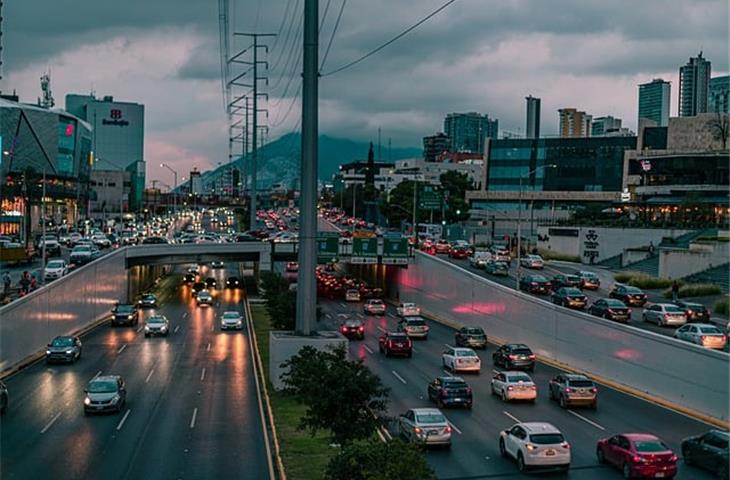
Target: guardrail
677, 374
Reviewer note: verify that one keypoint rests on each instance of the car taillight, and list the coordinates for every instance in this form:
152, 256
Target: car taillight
510, 387
360, 329
343, 329
638, 459
444, 393
410, 344
565, 445
390, 343
468, 389
673, 458
594, 390
568, 390
417, 430
533, 387
447, 429
459, 360
703, 338
532, 356
513, 357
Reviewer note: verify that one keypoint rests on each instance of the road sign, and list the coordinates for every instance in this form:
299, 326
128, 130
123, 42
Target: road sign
364, 250
327, 246
395, 251
429, 198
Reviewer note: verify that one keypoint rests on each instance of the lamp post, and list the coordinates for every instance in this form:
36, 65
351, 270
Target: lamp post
519, 222
174, 191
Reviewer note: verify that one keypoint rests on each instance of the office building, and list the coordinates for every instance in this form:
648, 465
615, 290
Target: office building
601, 126
574, 123
532, 128
694, 86
654, 101
468, 131
719, 94
435, 145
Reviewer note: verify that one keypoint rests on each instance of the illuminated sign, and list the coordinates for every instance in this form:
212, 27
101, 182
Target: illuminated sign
116, 118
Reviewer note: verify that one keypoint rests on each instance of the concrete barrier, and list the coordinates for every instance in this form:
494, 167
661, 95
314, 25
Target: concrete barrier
673, 372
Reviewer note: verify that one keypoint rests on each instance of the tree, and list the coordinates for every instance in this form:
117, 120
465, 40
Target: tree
281, 303
341, 396
720, 127
398, 206
375, 460
455, 185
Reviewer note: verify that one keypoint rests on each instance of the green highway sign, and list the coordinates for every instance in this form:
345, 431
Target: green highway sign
364, 250
395, 251
327, 246
429, 197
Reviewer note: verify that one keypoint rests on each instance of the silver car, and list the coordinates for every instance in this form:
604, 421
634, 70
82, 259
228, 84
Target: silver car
665, 314
231, 321
426, 426
157, 325
64, 349
514, 386
703, 334
104, 394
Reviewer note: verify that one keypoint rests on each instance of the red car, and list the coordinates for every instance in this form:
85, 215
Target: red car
638, 455
443, 246
395, 343
459, 253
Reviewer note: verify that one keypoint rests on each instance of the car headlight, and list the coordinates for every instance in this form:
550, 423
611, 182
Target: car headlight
69, 351
146, 328
48, 352
163, 328
87, 401
115, 398
129, 317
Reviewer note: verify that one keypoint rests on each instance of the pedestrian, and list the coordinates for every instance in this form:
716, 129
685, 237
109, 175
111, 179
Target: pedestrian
651, 248
33, 283
24, 283
675, 291
6, 282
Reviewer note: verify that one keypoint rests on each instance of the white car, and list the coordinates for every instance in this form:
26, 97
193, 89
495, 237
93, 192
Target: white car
514, 386
426, 426
500, 253
204, 298
231, 321
217, 264
532, 261
665, 314
352, 295
479, 259
194, 269
55, 269
414, 327
101, 241
535, 444
374, 306
157, 325
408, 309
461, 360
703, 334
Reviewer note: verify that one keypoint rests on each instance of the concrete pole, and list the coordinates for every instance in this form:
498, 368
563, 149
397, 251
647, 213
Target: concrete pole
519, 237
254, 132
43, 229
306, 287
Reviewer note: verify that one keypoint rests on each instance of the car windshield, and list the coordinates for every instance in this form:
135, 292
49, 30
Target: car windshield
522, 351
538, 278
632, 290
376, 302
519, 378
650, 446
124, 309
673, 309
103, 386
430, 418
63, 342
590, 275
581, 383
465, 353
55, 264
615, 303
397, 336
353, 323
415, 322
352, 292
230, 315
81, 249
156, 319
572, 278
710, 330
475, 331
409, 305
149, 296
547, 438
573, 291
454, 384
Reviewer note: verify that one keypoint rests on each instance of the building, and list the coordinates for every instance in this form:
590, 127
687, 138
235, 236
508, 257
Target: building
118, 137
435, 145
719, 94
110, 193
694, 86
574, 123
602, 126
532, 127
654, 101
468, 131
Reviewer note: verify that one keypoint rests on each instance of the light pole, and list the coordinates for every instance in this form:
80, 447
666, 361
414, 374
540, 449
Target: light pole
174, 191
519, 221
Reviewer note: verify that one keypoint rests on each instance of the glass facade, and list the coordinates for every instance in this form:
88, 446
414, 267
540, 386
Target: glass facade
654, 100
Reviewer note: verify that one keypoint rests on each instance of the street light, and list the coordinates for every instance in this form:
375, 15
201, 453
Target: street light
519, 221
174, 191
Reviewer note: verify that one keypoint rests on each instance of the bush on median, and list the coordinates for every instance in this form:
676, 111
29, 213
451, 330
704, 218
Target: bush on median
376, 460
552, 255
723, 307
695, 290
642, 280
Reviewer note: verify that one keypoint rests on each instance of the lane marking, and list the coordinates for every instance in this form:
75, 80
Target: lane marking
124, 419
97, 374
517, 420
328, 316
176, 329
50, 424
413, 349
451, 424
202, 374
185, 315
360, 315
140, 328
391, 315
448, 373
369, 350
402, 380
207, 349
149, 375
192, 420
343, 305
387, 433
587, 420
212, 328
382, 438
122, 348
381, 329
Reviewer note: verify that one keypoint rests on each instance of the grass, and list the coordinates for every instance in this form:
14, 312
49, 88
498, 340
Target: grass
695, 290
305, 456
723, 307
552, 255
642, 280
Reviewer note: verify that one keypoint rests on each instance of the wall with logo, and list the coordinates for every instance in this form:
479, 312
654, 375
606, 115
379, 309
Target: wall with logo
119, 131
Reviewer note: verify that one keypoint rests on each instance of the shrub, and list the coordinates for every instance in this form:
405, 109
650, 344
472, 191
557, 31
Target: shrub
376, 460
695, 290
624, 277
723, 307
642, 280
552, 255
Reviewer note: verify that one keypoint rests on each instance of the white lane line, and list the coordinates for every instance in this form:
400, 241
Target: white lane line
381, 329
328, 316
447, 372
413, 349
195, 415
369, 350
212, 328
360, 315
342, 315
207, 349
176, 329
185, 315
387, 433
402, 380
50, 424
202, 374
454, 426
382, 438
140, 328
517, 420
587, 420
149, 375
391, 315
97, 374
121, 349
343, 305
124, 419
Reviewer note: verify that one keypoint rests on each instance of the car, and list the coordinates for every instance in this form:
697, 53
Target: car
233, 282
353, 328
55, 269
696, 312
664, 315
148, 300
535, 444
479, 259
53, 247
610, 309
588, 280
471, 336
566, 280
631, 296
569, 297
155, 240
231, 320
513, 386
459, 359
105, 393
4, 398
352, 295
414, 327
638, 455
449, 391
204, 298
188, 278
101, 241
194, 269
374, 306
125, 314
81, 254
495, 267
573, 389
513, 356
459, 252
532, 261
535, 284
217, 264
408, 309
442, 246
425, 426
703, 334
157, 325
292, 267
64, 348
501, 253
395, 343
211, 283
197, 288
708, 451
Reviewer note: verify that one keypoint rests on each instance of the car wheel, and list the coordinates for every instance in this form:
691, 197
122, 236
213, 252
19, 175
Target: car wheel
531, 369
387, 352
410, 354
627, 471
563, 402
502, 450
594, 405
86, 413
551, 396
146, 335
521, 462
601, 456
687, 456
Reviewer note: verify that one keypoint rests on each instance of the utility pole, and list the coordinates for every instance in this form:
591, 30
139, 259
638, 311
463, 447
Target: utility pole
43, 228
306, 287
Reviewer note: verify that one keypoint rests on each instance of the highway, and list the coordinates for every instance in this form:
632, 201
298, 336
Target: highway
192, 409
474, 453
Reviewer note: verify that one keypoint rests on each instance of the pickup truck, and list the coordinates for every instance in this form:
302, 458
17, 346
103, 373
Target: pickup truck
16, 254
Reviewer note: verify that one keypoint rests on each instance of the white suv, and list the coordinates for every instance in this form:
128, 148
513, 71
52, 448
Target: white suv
535, 444
514, 386
461, 360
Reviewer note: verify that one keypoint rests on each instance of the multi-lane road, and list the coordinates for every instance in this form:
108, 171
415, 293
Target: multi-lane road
191, 412
474, 453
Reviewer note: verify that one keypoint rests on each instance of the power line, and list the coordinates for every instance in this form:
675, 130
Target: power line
332, 36
392, 40
324, 15
278, 122
288, 35
281, 25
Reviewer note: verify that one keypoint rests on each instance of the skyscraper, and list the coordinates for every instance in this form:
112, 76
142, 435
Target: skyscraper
468, 131
574, 123
719, 94
654, 101
604, 125
694, 86
435, 145
532, 129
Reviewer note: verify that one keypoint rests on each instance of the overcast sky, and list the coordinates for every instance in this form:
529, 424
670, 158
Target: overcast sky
477, 55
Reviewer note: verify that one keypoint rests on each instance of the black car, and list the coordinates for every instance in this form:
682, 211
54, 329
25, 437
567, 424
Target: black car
696, 312
631, 296
198, 287
448, 391
513, 356
63, 349
155, 241
125, 314
188, 278
472, 337
535, 284
494, 267
3, 398
611, 309
353, 328
211, 282
570, 297
233, 282
567, 280
245, 237
708, 451
148, 300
